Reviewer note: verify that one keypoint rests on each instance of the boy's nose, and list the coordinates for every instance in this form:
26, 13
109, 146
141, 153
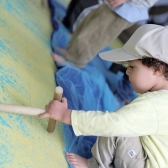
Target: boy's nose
128, 71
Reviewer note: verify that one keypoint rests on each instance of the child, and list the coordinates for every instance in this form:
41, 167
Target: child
146, 117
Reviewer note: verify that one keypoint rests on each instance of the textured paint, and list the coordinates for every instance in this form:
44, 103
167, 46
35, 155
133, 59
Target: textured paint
27, 79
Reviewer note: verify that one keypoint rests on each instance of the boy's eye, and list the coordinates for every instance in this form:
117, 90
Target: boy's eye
130, 67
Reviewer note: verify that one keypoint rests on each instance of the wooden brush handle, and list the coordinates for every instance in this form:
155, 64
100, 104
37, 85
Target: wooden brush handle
21, 109
57, 96
34, 111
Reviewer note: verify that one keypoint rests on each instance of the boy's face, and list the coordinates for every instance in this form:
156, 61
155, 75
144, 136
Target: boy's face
141, 76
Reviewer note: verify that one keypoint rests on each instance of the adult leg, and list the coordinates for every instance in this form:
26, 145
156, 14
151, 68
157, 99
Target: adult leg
96, 31
117, 152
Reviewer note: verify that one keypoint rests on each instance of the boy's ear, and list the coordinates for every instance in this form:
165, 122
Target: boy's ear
158, 72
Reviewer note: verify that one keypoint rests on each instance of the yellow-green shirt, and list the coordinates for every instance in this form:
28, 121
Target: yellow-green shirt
146, 116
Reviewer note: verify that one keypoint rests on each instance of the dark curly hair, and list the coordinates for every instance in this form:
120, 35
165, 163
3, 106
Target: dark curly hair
156, 64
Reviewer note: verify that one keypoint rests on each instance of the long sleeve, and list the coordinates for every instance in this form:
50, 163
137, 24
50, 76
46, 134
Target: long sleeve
143, 3
139, 118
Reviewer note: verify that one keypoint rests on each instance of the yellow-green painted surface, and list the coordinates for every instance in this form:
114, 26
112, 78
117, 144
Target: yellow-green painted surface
27, 79
116, 44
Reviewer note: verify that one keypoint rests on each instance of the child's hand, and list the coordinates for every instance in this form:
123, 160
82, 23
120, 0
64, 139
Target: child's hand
58, 111
114, 3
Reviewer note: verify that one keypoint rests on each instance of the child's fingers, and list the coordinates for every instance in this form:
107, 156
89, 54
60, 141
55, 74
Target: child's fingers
64, 100
44, 115
114, 3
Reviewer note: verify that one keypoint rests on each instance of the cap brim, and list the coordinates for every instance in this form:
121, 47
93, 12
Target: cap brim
117, 56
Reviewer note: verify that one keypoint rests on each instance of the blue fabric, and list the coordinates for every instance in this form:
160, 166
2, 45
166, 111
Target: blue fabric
87, 89
58, 10
130, 12
93, 87
60, 37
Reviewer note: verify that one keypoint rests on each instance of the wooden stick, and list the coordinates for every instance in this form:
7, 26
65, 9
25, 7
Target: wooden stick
21, 109
57, 96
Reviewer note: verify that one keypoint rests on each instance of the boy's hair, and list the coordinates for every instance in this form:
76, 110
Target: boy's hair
156, 64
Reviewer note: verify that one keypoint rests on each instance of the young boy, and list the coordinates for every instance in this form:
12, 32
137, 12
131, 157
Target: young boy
146, 117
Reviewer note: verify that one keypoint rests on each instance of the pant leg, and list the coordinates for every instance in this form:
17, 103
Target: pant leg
100, 27
67, 19
117, 152
103, 153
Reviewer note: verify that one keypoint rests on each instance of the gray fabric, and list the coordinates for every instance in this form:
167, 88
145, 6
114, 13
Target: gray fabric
92, 163
117, 152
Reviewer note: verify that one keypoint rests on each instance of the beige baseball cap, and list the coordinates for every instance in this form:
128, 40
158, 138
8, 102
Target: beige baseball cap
149, 40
